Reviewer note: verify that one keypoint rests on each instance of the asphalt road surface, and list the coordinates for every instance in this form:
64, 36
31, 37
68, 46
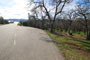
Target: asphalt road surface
26, 43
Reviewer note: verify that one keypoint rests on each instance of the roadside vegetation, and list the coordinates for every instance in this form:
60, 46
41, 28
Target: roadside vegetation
72, 48
70, 30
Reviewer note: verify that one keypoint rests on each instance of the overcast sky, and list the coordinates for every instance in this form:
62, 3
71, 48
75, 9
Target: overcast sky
16, 9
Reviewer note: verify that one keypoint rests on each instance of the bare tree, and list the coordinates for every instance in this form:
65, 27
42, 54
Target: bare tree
83, 11
58, 6
71, 17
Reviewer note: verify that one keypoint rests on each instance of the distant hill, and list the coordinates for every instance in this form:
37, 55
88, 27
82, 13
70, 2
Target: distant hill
16, 20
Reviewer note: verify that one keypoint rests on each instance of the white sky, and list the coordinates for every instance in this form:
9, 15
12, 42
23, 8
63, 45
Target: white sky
13, 9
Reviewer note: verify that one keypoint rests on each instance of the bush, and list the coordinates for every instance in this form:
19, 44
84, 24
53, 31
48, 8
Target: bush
3, 21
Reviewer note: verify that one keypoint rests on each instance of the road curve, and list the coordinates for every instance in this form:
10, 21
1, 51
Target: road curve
26, 43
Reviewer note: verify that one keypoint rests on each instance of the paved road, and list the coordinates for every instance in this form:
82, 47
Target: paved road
26, 43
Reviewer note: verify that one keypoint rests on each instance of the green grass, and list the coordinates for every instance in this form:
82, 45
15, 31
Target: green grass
75, 33
72, 48
80, 33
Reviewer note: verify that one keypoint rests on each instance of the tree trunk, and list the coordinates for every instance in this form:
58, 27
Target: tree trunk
43, 27
52, 28
53, 25
70, 28
87, 30
88, 37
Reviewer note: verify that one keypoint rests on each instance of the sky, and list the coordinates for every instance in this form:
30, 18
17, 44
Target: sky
11, 9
